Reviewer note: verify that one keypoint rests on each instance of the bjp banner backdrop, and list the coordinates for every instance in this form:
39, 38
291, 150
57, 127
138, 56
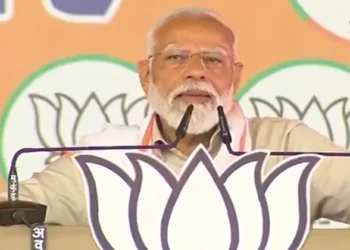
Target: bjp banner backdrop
68, 66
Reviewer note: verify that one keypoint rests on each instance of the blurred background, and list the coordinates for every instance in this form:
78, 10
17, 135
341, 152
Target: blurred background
68, 67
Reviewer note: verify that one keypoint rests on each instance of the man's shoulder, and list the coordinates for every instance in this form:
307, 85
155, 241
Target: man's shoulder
272, 122
112, 134
271, 129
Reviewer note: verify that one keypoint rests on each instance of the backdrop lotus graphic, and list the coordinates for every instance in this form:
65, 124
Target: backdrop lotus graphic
149, 208
332, 120
331, 16
64, 123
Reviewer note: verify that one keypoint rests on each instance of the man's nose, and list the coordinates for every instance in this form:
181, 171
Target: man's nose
195, 68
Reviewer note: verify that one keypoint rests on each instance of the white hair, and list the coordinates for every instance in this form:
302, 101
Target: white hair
193, 12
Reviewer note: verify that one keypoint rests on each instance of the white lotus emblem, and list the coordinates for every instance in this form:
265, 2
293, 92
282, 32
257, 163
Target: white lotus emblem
202, 209
332, 120
62, 123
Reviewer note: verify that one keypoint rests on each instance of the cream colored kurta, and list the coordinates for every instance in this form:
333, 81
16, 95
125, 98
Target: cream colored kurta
60, 185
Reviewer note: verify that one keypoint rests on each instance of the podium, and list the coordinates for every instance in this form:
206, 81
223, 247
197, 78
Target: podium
68, 238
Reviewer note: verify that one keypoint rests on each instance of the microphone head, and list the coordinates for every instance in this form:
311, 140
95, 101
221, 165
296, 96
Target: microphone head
184, 123
224, 128
220, 110
189, 110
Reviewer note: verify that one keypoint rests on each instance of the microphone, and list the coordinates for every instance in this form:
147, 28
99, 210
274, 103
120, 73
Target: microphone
227, 139
224, 128
184, 123
18, 212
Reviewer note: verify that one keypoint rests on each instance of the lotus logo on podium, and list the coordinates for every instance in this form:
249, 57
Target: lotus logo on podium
201, 209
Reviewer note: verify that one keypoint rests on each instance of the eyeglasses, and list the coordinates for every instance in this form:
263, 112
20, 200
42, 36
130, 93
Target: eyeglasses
178, 59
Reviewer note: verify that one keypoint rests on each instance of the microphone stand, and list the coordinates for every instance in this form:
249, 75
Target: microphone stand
227, 140
19, 212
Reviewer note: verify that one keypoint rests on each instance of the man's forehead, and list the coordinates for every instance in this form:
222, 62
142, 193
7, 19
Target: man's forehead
192, 33
199, 47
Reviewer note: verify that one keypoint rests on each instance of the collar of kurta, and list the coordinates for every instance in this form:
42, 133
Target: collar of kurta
238, 125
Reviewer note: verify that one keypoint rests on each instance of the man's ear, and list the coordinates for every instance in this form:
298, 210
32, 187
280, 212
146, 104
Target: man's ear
238, 68
144, 72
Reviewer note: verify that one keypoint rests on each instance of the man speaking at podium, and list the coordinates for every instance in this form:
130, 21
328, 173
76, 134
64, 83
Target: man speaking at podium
192, 60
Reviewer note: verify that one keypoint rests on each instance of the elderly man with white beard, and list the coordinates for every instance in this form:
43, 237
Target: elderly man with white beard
192, 60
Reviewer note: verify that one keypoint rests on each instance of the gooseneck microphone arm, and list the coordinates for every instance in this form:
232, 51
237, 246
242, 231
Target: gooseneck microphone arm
227, 140
34, 212
13, 176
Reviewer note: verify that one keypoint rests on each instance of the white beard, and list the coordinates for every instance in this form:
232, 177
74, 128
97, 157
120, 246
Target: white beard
204, 116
